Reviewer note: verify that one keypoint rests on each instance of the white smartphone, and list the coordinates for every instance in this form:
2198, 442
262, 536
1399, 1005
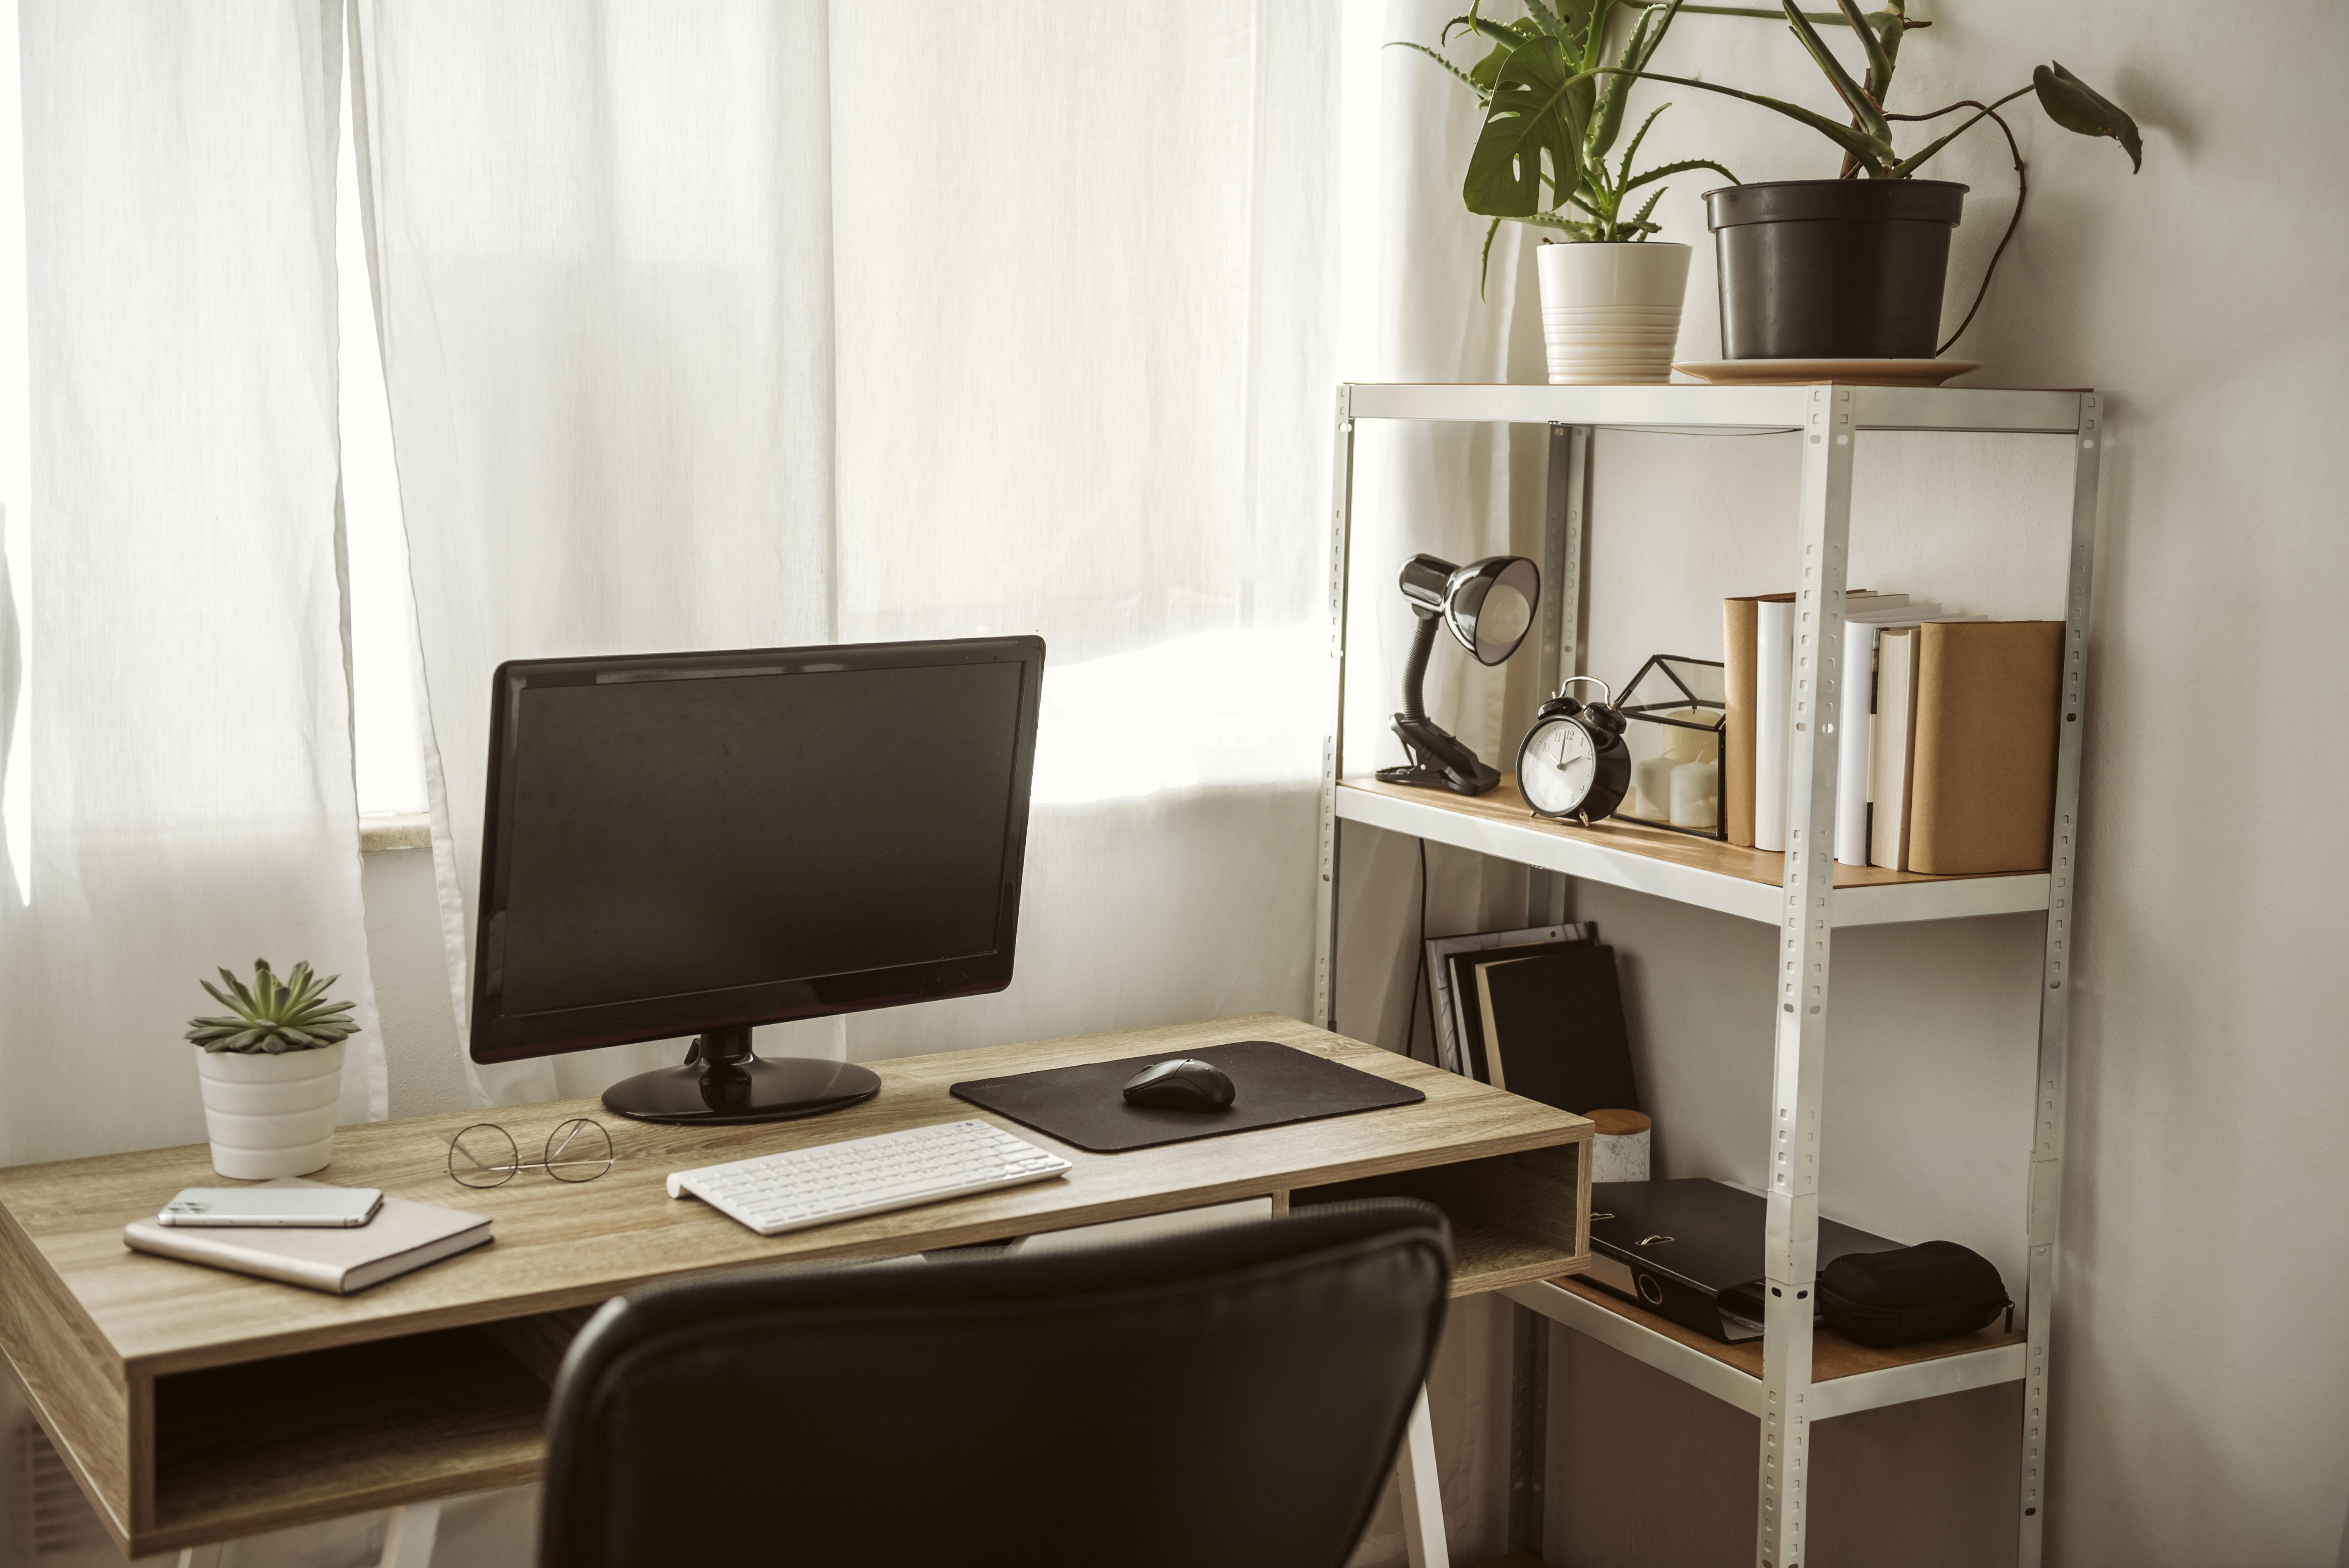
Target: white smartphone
310, 1207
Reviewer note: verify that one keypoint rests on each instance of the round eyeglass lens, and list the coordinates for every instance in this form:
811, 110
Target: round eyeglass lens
578, 1150
484, 1155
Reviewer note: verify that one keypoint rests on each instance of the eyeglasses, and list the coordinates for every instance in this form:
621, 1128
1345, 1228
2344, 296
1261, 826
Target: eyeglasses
485, 1154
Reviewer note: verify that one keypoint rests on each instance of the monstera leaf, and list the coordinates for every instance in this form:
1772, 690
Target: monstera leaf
1540, 107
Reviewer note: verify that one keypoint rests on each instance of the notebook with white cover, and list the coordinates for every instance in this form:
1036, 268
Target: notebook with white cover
404, 1237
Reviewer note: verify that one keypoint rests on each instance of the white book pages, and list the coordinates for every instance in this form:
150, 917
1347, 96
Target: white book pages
1853, 718
1774, 670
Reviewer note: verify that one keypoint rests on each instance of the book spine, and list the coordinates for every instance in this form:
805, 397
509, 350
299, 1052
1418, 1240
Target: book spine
1774, 670
1737, 730
195, 1249
1982, 794
1853, 720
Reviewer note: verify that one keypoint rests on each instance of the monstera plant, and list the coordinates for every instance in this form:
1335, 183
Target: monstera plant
1553, 110
1552, 121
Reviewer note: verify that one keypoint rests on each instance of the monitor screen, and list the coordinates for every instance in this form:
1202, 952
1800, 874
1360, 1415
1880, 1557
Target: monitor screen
689, 841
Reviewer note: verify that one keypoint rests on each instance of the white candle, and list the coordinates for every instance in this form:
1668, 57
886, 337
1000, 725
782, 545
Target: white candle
1695, 799
1652, 782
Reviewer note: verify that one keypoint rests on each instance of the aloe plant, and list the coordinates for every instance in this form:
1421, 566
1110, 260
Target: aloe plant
1553, 111
272, 1016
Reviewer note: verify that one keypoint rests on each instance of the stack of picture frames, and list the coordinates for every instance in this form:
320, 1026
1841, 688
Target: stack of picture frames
1537, 1012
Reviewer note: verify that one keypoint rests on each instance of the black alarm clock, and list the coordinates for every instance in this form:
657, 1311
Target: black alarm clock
1574, 763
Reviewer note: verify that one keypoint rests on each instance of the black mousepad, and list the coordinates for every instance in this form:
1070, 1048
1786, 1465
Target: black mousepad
1272, 1086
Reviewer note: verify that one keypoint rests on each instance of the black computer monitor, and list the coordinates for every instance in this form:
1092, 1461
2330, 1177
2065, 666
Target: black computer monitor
697, 843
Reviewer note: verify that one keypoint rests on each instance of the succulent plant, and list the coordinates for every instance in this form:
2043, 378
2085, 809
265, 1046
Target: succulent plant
272, 1016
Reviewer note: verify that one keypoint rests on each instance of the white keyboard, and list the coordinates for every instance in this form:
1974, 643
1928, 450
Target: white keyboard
801, 1187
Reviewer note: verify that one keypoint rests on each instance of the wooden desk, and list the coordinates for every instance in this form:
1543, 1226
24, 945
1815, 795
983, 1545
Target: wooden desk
196, 1405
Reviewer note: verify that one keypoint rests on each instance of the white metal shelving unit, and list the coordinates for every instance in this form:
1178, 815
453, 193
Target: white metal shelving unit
1802, 894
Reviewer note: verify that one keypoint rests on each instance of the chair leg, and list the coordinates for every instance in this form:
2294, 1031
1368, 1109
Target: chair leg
1423, 1543
408, 1539
201, 1556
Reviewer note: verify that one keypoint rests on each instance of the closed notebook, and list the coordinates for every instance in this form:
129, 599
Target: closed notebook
1466, 1012
1982, 794
1553, 1032
403, 1236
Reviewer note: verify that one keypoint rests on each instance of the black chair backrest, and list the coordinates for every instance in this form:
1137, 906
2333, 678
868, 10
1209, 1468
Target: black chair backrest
1233, 1396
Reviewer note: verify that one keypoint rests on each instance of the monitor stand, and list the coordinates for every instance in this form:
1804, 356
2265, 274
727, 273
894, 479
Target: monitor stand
723, 1080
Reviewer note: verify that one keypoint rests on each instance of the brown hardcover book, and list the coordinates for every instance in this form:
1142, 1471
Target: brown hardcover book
1737, 630
1982, 797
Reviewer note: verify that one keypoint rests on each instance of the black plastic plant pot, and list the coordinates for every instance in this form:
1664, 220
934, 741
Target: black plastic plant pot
1833, 269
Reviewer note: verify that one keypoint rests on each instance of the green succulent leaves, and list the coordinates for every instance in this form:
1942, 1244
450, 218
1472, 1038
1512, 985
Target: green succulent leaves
2075, 106
272, 1017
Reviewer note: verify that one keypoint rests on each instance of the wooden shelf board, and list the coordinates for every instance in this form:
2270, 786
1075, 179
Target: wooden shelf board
1704, 871
271, 1443
1832, 1355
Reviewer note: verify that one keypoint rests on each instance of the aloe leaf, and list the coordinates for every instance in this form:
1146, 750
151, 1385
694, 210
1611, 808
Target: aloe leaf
1639, 219
1614, 97
1854, 96
1534, 111
2077, 107
1666, 170
1875, 152
1624, 173
1483, 95
1551, 23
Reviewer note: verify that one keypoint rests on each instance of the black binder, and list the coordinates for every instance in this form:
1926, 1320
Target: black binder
1692, 1250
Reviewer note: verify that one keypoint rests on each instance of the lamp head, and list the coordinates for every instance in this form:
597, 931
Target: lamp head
1488, 603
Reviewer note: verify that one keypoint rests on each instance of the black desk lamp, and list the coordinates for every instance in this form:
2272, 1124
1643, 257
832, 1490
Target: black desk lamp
1489, 605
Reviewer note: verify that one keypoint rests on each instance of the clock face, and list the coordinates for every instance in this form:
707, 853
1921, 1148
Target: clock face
1557, 766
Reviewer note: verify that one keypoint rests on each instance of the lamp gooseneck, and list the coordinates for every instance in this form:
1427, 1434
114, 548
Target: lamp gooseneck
1415, 669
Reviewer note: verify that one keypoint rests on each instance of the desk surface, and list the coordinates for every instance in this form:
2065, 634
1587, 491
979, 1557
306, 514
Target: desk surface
111, 1344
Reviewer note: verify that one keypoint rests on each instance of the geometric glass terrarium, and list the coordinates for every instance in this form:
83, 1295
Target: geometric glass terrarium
1676, 708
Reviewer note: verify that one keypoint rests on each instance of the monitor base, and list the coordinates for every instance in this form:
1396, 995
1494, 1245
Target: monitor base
723, 1081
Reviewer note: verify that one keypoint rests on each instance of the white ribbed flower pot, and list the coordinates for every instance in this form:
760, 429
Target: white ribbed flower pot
1611, 312
271, 1116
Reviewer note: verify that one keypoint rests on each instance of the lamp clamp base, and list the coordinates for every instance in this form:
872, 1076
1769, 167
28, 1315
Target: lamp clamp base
1438, 760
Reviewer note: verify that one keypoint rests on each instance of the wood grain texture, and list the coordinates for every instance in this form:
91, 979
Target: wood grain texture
273, 1404
1832, 1355
1504, 804
71, 1381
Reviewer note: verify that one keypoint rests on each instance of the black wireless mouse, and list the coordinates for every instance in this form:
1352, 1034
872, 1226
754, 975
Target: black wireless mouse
1183, 1083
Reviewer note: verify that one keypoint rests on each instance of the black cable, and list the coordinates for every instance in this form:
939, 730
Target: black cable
1419, 974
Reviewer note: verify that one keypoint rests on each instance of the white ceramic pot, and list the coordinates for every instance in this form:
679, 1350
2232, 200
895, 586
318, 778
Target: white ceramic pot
271, 1116
1612, 313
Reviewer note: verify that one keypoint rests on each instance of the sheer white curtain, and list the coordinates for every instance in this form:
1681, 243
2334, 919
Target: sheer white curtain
181, 796
604, 277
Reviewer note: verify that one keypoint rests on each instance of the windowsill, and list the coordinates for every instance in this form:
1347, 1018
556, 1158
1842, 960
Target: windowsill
402, 831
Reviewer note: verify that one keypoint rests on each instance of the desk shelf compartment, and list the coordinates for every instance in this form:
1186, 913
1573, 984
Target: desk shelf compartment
264, 1444
1513, 1216
1804, 897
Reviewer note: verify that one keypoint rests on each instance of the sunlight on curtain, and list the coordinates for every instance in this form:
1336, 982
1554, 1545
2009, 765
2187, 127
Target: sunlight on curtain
603, 254
190, 769
1085, 383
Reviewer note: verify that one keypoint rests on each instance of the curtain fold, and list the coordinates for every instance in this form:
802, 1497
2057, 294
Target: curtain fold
603, 268
190, 800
